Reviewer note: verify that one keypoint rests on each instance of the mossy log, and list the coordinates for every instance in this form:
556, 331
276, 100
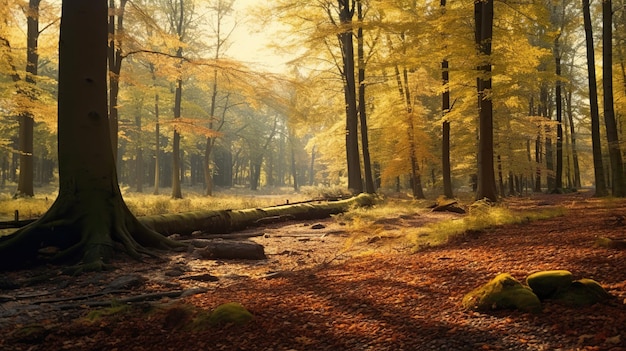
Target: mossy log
227, 221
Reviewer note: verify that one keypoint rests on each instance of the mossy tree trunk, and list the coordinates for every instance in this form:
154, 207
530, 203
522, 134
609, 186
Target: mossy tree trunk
89, 219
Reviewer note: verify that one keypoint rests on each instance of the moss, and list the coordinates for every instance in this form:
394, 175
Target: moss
548, 283
583, 292
502, 292
115, 309
228, 313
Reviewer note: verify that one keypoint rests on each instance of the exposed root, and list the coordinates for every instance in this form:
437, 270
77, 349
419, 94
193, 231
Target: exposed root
83, 232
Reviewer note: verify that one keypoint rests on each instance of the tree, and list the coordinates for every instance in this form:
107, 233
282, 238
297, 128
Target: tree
346, 13
367, 165
601, 189
618, 183
445, 127
89, 218
25, 180
483, 17
116, 31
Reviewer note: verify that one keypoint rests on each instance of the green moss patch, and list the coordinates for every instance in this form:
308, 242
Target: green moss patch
502, 292
228, 313
547, 283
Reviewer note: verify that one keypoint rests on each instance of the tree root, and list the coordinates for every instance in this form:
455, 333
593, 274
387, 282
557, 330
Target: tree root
85, 233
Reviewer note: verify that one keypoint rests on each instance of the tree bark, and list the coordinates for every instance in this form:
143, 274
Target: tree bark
600, 182
483, 16
89, 219
367, 165
346, 12
618, 183
26, 121
226, 221
558, 176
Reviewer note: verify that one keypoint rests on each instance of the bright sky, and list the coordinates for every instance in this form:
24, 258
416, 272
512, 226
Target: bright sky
249, 43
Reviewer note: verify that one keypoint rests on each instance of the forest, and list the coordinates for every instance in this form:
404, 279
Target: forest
466, 161
330, 116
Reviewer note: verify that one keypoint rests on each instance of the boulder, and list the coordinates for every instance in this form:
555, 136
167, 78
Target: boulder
229, 313
583, 292
548, 283
502, 292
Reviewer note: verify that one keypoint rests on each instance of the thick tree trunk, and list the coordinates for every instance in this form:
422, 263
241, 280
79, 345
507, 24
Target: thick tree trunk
89, 220
596, 144
227, 221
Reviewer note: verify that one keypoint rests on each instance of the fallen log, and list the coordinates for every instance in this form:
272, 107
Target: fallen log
231, 250
227, 221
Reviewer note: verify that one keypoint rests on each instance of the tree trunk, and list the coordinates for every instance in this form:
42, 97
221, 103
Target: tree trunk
618, 182
139, 176
346, 12
445, 131
26, 122
115, 67
226, 221
89, 219
483, 16
558, 176
367, 165
600, 183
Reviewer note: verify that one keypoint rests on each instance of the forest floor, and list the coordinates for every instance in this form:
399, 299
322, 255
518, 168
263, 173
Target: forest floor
318, 290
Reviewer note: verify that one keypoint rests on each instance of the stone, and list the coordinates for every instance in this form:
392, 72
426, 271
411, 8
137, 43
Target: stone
546, 284
502, 292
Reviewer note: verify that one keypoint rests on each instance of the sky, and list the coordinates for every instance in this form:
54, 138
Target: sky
249, 42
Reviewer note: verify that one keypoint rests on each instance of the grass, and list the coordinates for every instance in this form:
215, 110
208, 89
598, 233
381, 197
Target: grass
367, 224
481, 216
142, 204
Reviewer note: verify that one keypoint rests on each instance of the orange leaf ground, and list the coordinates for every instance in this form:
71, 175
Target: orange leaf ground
381, 301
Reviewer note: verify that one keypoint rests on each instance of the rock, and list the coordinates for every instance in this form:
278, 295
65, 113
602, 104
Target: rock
231, 250
318, 226
502, 292
583, 292
203, 277
231, 312
126, 282
547, 283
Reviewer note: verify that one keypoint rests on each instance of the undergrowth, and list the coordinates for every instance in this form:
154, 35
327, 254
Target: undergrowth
481, 216
366, 225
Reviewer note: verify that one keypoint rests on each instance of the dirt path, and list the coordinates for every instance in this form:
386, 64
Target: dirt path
316, 293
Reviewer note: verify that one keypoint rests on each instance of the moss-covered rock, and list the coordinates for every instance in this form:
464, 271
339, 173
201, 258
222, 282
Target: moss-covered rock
583, 292
548, 283
231, 312
502, 292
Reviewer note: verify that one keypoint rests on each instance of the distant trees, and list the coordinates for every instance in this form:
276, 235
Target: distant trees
382, 94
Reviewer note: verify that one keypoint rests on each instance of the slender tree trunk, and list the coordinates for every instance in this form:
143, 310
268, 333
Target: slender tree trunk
618, 182
115, 67
176, 161
445, 127
157, 145
346, 13
139, 176
445, 131
370, 187
26, 122
483, 16
312, 167
558, 176
600, 183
